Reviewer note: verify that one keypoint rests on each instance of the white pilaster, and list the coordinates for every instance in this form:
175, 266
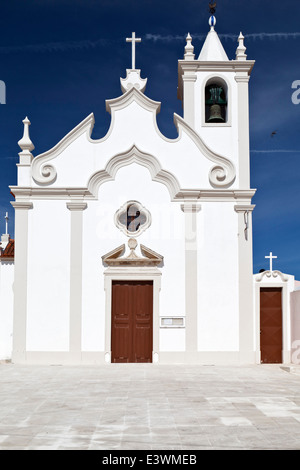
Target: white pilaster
246, 308
20, 281
189, 78
76, 209
191, 279
242, 79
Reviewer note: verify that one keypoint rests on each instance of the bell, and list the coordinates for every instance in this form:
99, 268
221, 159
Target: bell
215, 114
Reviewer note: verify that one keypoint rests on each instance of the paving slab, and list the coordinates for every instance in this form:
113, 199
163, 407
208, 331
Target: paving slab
149, 407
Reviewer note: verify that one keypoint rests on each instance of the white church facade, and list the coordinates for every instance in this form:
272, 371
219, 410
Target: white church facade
153, 262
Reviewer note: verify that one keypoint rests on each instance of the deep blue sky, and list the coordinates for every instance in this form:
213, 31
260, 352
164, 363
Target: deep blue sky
60, 60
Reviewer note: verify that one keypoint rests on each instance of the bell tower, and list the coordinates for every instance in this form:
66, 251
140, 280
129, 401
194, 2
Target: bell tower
214, 95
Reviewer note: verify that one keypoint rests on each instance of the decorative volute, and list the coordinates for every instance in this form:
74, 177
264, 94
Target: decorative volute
189, 49
240, 52
26, 144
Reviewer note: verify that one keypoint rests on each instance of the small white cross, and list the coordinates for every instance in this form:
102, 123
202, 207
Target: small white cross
271, 257
133, 40
6, 223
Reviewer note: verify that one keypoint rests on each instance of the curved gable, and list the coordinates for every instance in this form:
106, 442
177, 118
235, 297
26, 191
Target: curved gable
77, 157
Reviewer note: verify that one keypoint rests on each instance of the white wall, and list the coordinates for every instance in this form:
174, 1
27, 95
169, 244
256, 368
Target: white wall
220, 138
165, 236
48, 305
6, 308
218, 293
295, 327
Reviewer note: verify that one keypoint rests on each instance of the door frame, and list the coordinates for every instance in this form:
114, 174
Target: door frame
132, 274
286, 329
278, 290
131, 291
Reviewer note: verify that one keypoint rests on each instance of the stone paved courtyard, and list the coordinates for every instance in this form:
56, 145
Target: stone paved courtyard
149, 407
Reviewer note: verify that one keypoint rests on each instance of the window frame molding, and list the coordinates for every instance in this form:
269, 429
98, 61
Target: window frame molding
123, 228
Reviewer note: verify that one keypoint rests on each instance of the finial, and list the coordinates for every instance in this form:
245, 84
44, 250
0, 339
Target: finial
212, 20
189, 48
25, 143
240, 52
132, 243
212, 7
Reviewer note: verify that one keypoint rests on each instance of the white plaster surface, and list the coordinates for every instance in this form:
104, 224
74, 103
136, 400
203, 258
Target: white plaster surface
218, 322
48, 277
121, 167
6, 312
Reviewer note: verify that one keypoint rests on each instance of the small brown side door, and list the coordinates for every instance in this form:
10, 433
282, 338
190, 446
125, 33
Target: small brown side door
271, 325
132, 320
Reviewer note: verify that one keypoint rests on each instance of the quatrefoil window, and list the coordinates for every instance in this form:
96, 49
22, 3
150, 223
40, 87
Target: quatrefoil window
132, 218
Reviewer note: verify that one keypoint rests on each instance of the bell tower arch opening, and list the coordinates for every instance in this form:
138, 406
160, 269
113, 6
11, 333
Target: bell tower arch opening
216, 101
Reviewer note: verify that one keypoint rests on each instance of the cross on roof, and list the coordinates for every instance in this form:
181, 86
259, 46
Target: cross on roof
133, 40
6, 223
271, 257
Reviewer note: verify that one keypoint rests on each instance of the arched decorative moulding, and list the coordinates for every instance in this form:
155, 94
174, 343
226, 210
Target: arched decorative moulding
221, 175
131, 95
270, 274
45, 174
134, 155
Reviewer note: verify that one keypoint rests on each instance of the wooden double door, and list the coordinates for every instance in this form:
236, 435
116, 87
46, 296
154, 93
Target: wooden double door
271, 343
132, 321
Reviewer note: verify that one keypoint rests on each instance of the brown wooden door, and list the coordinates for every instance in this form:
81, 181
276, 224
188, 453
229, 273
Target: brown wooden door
132, 320
271, 325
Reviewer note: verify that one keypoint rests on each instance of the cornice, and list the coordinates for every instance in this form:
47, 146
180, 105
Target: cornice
45, 174
244, 208
193, 66
190, 207
214, 66
23, 205
215, 195
242, 79
147, 271
7, 259
177, 194
76, 206
51, 193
